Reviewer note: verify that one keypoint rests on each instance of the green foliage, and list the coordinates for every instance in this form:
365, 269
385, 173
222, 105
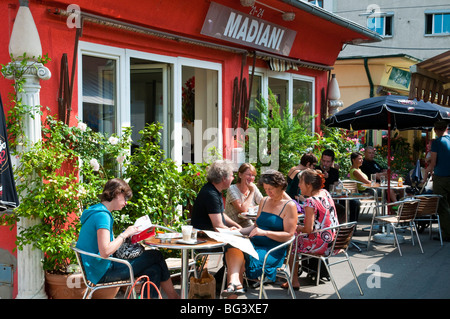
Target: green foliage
401, 155
16, 69
159, 187
51, 191
294, 137
336, 140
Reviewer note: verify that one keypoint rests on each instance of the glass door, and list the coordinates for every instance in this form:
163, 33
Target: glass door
149, 96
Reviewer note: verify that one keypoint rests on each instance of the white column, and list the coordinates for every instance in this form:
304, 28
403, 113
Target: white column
31, 278
25, 39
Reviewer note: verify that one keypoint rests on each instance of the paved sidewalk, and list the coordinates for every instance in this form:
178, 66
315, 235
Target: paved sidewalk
381, 271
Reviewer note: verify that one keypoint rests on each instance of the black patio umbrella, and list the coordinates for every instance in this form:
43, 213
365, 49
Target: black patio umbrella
373, 114
8, 193
386, 113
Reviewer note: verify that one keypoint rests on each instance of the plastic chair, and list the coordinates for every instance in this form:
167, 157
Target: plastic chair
91, 287
340, 244
428, 207
404, 218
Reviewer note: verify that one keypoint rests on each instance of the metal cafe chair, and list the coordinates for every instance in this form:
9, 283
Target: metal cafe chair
283, 271
404, 218
427, 211
340, 244
90, 286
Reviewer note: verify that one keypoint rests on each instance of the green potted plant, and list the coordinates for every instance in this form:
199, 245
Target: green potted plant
58, 177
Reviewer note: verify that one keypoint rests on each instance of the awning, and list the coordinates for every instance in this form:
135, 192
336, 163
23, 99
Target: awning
430, 80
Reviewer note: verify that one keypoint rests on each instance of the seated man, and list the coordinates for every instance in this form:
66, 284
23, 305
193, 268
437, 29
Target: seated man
370, 166
208, 208
331, 174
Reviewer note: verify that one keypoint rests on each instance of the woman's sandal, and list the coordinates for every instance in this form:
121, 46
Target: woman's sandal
233, 289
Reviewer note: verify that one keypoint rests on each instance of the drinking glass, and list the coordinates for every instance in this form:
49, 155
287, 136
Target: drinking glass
373, 179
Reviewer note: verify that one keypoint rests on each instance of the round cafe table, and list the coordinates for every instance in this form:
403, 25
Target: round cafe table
386, 237
202, 243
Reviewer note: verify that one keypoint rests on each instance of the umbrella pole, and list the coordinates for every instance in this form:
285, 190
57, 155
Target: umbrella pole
389, 158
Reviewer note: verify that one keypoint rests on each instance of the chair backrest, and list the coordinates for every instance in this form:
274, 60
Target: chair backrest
350, 186
407, 210
78, 253
344, 234
428, 205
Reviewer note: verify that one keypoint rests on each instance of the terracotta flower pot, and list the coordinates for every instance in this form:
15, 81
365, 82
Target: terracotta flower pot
72, 287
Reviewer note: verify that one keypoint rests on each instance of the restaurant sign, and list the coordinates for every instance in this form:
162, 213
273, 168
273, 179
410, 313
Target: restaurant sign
231, 25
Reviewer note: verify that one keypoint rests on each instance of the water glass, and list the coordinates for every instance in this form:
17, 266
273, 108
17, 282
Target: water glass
186, 230
194, 235
332, 189
373, 179
383, 180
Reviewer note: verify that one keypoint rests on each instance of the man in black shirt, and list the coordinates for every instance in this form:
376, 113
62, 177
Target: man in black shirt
369, 165
208, 208
331, 174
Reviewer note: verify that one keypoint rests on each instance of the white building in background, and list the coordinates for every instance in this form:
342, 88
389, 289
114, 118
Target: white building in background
412, 31
417, 28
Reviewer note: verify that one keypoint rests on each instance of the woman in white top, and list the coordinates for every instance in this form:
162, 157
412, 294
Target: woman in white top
242, 195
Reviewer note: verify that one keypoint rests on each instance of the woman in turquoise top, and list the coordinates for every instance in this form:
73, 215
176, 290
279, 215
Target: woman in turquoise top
96, 236
276, 223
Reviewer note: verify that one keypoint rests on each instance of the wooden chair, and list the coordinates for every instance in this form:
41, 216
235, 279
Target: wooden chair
350, 186
90, 286
428, 207
404, 218
340, 244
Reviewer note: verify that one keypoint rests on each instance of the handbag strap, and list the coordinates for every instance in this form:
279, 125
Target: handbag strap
147, 284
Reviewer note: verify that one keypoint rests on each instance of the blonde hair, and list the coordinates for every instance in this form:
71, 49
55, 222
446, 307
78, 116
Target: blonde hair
243, 168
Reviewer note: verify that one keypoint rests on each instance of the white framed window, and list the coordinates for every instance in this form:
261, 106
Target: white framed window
437, 23
383, 25
120, 88
293, 91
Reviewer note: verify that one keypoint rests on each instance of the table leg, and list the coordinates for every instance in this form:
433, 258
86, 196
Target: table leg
347, 213
184, 273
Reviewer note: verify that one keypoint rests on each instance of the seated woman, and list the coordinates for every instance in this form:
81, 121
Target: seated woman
96, 236
358, 175
242, 195
308, 160
320, 213
355, 171
275, 223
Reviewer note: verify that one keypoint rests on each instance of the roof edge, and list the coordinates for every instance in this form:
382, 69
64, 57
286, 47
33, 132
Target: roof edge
329, 16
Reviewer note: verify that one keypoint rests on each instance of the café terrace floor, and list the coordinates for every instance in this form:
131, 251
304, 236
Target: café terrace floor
381, 271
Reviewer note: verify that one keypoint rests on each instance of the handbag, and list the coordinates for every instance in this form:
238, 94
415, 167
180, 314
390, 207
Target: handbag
128, 250
203, 287
145, 284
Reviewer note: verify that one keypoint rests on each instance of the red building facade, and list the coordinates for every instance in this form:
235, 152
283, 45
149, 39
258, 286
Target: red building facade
136, 62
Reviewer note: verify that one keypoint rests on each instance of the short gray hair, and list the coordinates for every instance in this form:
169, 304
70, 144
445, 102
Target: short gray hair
219, 170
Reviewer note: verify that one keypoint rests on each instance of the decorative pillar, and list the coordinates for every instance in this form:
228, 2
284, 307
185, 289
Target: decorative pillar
25, 39
333, 96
